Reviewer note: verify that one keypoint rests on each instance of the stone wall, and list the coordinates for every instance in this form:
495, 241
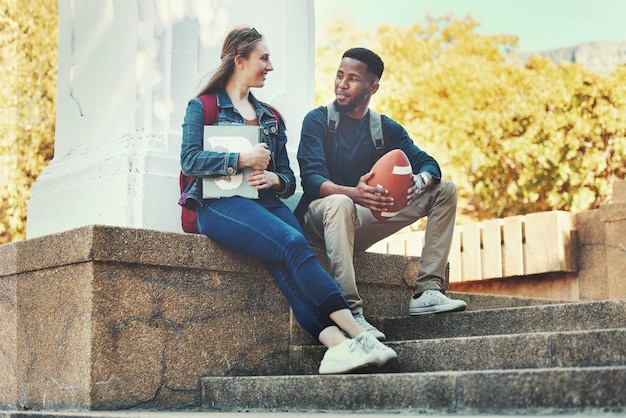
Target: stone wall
104, 317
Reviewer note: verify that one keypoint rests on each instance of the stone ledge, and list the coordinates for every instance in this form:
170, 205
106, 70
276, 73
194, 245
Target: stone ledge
108, 244
123, 245
170, 249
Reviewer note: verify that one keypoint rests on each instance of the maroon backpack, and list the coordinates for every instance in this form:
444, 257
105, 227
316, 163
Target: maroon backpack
188, 217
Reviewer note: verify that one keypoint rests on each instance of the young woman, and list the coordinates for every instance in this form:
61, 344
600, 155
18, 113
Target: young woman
265, 228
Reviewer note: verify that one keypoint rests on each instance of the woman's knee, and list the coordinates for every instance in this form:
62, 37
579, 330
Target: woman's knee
296, 247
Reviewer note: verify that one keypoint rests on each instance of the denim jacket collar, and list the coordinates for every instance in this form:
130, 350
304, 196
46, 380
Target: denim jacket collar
264, 115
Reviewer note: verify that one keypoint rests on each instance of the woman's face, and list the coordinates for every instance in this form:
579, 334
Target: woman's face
257, 66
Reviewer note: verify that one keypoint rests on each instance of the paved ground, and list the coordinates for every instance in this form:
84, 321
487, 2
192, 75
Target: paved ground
126, 414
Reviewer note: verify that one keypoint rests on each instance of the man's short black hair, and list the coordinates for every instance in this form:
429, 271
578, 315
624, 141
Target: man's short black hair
374, 63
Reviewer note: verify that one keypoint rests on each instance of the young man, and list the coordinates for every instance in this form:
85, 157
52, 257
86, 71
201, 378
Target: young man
335, 207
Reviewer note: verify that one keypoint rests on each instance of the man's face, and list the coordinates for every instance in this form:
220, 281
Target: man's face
354, 86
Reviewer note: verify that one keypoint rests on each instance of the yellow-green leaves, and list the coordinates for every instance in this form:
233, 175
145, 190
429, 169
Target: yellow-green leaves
28, 63
515, 138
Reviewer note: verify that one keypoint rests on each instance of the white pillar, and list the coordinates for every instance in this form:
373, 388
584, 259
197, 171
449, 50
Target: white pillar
126, 71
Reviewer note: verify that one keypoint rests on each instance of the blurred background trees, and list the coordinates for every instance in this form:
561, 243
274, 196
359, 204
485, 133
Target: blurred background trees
515, 139
28, 68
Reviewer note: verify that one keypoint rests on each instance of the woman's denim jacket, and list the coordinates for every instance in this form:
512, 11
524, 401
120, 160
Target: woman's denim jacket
197, 163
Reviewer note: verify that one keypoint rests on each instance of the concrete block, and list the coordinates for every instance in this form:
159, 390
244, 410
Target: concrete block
386, 282
414, 243
613, 212
454, 258
396, 246
115, 318
619, 192
549, 243
491, 254
593, 274
512, 246
9, 379
614, 217
471, 253
379, 247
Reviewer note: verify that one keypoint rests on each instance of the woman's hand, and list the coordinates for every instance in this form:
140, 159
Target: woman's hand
256, 158
263, 179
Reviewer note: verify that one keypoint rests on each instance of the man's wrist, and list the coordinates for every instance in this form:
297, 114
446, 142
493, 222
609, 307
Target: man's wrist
425, 178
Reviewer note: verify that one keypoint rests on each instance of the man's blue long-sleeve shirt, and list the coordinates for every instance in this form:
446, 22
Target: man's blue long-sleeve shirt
350, 154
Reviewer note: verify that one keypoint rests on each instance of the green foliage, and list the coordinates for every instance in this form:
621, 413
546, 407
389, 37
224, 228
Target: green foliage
28, 63
515, 139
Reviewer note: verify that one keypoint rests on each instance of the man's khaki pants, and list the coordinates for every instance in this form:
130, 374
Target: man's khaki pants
340, 226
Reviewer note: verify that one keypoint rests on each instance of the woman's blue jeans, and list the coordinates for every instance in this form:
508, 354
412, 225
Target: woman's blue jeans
266, 229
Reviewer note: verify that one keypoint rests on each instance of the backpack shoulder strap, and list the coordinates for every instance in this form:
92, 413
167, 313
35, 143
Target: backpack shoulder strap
376, 127
209, 102
376, 131
332, 119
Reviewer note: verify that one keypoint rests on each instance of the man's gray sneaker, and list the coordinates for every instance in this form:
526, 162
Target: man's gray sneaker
346, 357
434, 301
360, 319
371, 345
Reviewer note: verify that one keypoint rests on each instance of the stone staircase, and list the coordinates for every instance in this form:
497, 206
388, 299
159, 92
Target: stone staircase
545, 359
136, 330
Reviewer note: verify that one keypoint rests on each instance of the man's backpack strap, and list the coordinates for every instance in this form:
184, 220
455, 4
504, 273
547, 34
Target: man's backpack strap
376, 127
332, 120
376, 131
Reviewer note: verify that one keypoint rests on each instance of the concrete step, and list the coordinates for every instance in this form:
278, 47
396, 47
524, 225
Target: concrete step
525, 319
527, 391
558, 358
555, 335
182, 414
569, 316
591, 348
478, 302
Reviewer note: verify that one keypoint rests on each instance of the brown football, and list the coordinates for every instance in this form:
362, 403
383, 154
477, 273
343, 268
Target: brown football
392, 172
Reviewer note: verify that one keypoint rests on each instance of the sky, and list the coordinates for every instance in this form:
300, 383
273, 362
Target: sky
541, 25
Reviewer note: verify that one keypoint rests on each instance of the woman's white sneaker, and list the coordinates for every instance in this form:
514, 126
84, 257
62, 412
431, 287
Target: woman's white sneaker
360, 319
371, 345
346, 357
434, 301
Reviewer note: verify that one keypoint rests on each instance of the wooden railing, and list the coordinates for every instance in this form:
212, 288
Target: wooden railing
537, 243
